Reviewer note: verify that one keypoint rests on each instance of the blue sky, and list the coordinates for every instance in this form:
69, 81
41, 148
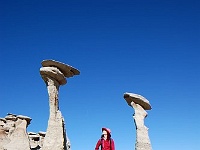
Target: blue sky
149, 48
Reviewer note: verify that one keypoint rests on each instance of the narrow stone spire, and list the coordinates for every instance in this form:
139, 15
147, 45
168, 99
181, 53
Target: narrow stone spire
54, 74
139, 104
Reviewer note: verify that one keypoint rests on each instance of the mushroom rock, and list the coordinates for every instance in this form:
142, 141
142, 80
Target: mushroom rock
54, 73
138, 99
13, 134
139, 104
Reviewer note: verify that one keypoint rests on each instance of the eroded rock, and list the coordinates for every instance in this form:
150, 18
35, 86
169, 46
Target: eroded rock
54, 73
13, 134
139, 104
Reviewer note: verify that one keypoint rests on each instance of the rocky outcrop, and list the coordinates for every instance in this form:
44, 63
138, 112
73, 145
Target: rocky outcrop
54, 74
13, 134
140, 104
13, 128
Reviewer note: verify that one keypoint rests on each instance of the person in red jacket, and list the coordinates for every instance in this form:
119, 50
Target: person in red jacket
106, 142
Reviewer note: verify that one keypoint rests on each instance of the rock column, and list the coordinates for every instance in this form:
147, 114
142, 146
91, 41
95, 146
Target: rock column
139, 104
54, 74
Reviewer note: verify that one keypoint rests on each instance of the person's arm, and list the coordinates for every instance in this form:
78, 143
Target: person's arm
113, 144
98, 144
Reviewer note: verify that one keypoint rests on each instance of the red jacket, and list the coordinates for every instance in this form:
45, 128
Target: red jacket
105, 144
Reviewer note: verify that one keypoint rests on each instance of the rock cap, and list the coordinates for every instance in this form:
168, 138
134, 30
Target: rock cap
54, 73
66, 69
138, 99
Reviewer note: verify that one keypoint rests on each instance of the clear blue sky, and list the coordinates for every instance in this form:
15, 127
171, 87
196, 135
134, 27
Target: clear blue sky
151, 48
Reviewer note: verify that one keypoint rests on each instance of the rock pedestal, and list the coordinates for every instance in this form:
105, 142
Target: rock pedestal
54, 74
139, 104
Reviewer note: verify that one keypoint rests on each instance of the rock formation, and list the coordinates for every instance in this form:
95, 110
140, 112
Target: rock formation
13, 134
36, 140
54, 74
13, 128
139, 104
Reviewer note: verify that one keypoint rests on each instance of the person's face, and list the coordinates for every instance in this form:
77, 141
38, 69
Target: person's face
104, 133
